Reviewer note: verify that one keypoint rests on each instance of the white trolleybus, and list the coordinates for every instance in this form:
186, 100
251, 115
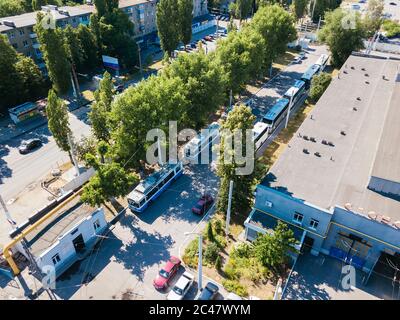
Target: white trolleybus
260, 134
276, 114
295, 92
151, 187
193, 149
322, 62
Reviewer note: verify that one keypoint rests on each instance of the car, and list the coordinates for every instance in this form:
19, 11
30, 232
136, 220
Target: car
119, 88
299, 57
207, 38
203, 41
29, 145
193, 45
181, 287
362, 1
204, 203
393, 3
209, 292
166, 273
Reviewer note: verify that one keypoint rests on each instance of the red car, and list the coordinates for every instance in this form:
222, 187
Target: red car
204, 203
166, 273
207, 38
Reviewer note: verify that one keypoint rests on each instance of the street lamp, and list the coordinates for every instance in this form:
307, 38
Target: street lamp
200, 263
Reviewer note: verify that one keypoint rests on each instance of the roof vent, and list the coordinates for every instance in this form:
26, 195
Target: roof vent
343, 133
306, 151
64, 12
313, 139
358, 99
363, 69
344, 71
366, 82
352, 68
9, 23
324, 142
306, 137
355, 109
330, 143
317, 154
366, 74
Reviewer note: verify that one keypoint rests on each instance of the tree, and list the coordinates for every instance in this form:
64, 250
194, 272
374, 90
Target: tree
321, 7
373, 17
86, 145
58, 121
11, 8
89, 47
110, 180
101, 108
276, 26
20, 78
239, 119
272, 249
341, 37
185, 20
56, 55
114, 33
319, 83
300, 8
74, 47
167, 18
391, 28
203, 86
210, 232
241, 9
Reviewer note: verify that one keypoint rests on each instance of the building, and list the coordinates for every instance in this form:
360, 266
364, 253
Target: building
337, 185
19, 29
25, 111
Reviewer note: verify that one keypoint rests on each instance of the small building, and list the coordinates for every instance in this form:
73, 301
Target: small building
25, 111
339, 182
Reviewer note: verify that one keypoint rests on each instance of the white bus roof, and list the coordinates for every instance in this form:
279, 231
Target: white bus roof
259, 128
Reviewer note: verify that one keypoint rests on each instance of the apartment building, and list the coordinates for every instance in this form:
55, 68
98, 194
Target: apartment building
19, 29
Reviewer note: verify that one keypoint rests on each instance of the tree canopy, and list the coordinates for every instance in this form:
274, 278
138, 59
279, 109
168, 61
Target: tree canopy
168, 21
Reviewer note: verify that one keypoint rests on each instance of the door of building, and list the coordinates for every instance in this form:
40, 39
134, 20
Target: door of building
79, 244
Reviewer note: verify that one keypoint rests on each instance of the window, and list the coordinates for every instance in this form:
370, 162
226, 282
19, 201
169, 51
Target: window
15, 45
314, 223
56, 259
96, 224
298, 217
21, 32
25, 43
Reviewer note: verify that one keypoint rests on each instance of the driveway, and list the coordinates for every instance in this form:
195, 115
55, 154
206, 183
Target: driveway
130, 256
320, 278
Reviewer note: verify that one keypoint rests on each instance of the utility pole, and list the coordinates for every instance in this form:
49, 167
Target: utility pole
230, 99
289, 109
319, 23
8, 215
228, 211
73, 155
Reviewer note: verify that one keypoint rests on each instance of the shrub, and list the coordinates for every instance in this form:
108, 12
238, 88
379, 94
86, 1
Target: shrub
318, 85
220, 241
211, 253
392, 28
210, 232
235, 287
218, 263
218, 227
243, 250
190, 256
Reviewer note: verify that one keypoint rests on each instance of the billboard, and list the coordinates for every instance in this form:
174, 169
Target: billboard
110, 62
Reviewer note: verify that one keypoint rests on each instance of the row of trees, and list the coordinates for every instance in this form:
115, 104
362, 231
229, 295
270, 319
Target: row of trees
20, 78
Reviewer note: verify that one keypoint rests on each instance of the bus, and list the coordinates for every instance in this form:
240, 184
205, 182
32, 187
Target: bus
309, 74
276, 114
260, 134
296, 91
151, 187
193, 149
322, 61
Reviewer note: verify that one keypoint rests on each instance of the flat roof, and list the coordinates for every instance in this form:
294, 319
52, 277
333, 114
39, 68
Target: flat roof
46, 235
29, 19
356, 116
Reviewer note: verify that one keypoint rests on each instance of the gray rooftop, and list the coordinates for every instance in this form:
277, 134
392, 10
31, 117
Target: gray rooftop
370, 123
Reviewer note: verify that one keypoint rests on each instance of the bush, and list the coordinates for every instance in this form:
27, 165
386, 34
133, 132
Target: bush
210, 232
220, 241
218, 227
218, 263
391, 28
211, 253
235, 287
190, 256
243, 250
318, 85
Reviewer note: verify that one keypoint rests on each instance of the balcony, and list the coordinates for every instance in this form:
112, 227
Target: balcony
33, 35
36, 45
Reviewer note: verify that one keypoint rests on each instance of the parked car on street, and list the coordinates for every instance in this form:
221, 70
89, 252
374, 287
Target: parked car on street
29, 145
204, 203
181, 287
299, 57
166, 273
207, 38
209, 292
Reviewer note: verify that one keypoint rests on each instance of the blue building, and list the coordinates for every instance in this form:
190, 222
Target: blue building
337, 185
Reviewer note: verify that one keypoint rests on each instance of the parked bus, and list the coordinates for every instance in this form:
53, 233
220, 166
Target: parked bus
151, 187
276, 114
296, 91
193, 149
309, 74
260, 134
322, 62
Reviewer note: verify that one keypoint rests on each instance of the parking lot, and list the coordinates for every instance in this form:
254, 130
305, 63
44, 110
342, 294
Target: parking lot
130, 256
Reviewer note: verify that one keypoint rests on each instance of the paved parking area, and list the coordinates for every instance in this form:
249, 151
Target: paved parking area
320, 278
128, 259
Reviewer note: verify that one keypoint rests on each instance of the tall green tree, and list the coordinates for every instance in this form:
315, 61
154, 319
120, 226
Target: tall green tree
300, 8
185, 8
101, 108
114, 33
241, 9
11, 8
322, 7
239, 119
343, 32
272, 250
110, 180
58, 121
168, 21
56, 55
33, 82
89, 48
74, 47
373, 17
203, 86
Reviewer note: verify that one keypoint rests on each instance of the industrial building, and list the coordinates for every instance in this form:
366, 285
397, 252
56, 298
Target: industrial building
337, 184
